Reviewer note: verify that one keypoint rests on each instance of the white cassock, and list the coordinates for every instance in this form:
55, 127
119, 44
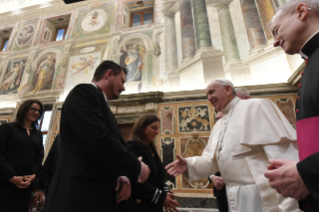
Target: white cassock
250, 132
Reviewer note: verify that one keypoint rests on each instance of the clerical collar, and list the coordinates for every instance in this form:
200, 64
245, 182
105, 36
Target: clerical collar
310, 46
231, 105
92, 83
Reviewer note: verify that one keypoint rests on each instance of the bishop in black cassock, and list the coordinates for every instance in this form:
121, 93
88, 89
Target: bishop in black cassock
296, 30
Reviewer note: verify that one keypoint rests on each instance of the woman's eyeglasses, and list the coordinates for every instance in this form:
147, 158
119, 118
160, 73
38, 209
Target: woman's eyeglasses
35, 110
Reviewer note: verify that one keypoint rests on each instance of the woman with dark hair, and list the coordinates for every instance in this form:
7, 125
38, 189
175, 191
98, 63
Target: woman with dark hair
21, 155
152, 195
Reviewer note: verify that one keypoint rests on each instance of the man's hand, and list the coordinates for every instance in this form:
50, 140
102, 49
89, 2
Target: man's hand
284, 177
218, 182
124, 186
145, 172
171, 203
19, 182
177, 167
38, 197
29, 178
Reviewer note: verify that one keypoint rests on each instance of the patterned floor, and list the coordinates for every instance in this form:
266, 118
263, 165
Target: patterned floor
197, 210
180, 210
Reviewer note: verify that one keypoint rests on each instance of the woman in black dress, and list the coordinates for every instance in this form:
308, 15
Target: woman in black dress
152, 195
21, 155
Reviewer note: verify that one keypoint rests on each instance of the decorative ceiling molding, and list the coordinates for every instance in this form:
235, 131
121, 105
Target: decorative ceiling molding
36, 11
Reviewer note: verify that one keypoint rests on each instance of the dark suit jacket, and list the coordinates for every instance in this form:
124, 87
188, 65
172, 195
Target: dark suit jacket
49, 166
92, 155
150, 195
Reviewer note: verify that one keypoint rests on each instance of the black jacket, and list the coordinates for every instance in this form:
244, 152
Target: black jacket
150, 195
92, 155
49, 166
20, 154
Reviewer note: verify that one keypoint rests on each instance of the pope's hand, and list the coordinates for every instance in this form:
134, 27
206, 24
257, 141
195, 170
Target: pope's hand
218, 182
145, 172
284, 177
177, 167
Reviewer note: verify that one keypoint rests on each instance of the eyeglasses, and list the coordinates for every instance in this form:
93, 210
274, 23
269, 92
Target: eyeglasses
35, 110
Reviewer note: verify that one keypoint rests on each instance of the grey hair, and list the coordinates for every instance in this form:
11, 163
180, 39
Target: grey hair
225, 83
290, 6
242, 92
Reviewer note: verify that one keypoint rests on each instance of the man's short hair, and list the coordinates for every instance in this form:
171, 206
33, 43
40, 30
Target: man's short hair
226, 82
289, 7
242, 92
104, 67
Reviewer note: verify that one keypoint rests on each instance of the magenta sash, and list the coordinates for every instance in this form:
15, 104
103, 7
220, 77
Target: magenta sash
308, 136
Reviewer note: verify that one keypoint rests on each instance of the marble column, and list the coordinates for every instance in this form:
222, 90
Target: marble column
187, 30
266, 13
253, 24
281, 2
203, 38
227, 32
171, 43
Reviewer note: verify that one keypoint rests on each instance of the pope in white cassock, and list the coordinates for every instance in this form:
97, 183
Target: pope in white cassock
240, 144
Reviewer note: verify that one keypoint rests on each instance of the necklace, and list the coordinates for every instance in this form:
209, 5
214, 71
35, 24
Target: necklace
28, 132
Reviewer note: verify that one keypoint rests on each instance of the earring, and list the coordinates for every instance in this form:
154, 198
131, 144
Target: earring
309, 9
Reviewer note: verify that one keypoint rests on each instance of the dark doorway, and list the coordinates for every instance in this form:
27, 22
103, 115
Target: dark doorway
126, 130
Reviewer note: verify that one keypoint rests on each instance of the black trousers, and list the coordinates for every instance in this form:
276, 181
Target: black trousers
13, 199
222, 202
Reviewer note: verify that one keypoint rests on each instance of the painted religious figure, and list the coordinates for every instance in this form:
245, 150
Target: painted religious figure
25, 35
80, 70
94, 20
44, 74
132, 59
13, 76
85, 64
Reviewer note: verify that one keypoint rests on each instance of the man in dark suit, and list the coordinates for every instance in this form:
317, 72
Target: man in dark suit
93, 164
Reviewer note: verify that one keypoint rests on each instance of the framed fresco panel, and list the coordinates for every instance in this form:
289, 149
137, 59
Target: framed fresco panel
12, 77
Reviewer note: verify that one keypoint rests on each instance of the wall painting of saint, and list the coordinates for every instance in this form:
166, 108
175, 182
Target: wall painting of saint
43, 76
12, 77
132, 59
